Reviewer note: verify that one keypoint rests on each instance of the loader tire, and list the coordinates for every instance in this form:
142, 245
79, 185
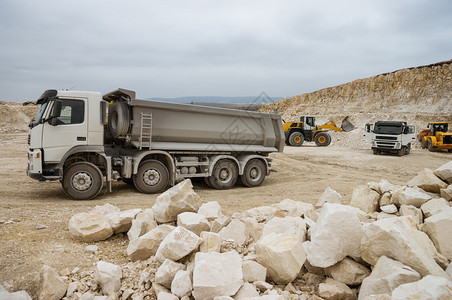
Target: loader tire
424, 144
322, 139
254, 173
82, 181
296, 139
224, 175
118, 119
430, 146
152, 177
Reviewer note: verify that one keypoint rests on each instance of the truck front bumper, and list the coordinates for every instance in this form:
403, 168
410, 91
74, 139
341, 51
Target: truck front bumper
35, 169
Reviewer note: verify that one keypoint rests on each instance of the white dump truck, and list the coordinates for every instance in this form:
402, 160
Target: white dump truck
390, 136
81, 137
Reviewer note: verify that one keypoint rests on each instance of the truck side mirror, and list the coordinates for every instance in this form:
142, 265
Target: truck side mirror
367, 127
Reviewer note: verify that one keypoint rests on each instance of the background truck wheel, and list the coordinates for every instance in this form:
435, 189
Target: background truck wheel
224, 175
296, 139
152, 177
118, 119
407, 149
375, 151
82, 181
322, 139
254, 173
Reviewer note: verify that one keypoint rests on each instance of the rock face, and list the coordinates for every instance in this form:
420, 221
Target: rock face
411, 196
329, 196
336, 234
217, 274
398, 238
365, 199
445, 172
428, 181
108, 277
178, 199
290, 226
348, 271
429, 287
147, 245
193, 222
89, 227
439, 228
387, 275
52, 286
177, 244
282, 255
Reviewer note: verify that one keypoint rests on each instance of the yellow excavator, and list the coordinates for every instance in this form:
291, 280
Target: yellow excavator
306, 130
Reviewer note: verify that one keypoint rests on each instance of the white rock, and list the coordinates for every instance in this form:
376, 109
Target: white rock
447, 193
329, 196
181, 285
219, 223
104, 209
137, 229
253, 271
91, 249
108, 277
147, 245
89, 227
411, 196
386, 186
449, 271
178, 199
386, 276
365, 199
389, 209
223, 298
428, 181
253, 229
294, 208
445, 172
290, 226
434, 206
19, 295
235, 231
211, 242
166, 272
71, 288
177, 244
282, 255
193, 221
158, 288
439, 228
166, 296
52, 285
122, 221
385, 199
429, 287
247, 291
336, 234
348, 271
216, 274
147, 216
332, 289
398, 238
413, 211
210, 210
263, 286
261, 213
384, 215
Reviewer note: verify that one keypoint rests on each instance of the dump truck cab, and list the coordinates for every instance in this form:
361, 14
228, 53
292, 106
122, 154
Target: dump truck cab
390, 136
436, 137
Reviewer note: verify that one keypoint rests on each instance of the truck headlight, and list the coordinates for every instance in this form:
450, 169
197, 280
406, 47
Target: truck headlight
374, 143
397, 145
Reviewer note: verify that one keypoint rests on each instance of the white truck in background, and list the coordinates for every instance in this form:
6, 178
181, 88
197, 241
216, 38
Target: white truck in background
390, 136
146, 143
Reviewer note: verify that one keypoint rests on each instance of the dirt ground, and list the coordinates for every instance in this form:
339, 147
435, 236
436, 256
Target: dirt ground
34, 216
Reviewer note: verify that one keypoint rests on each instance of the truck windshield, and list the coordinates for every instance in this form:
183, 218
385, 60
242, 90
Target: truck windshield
388, 129
39, 114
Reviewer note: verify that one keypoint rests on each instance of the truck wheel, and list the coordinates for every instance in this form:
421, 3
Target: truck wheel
322, 139
224, 175
296, 139
82, 181
254, 173
401, 151
152, 177
407, 149
118, 119
375, 151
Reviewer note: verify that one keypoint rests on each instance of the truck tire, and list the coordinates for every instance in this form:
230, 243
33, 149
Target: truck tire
408, 149
375, 151
224, 175
322, 139
152, 177
254, 173
118, 119
401, 151
82, 181
296, 139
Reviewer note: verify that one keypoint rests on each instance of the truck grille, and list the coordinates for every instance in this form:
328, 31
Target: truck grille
381, 137
387, 145
447, 139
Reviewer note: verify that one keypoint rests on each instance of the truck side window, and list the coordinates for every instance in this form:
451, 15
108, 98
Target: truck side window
72, 112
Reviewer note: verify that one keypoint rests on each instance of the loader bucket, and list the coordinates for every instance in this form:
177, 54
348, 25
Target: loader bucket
347, 125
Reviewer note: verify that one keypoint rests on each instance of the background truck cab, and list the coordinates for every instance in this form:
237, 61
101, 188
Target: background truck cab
390, 136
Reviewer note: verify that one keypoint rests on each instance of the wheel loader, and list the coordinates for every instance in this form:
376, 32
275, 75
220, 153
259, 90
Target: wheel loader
436, 137
305, 130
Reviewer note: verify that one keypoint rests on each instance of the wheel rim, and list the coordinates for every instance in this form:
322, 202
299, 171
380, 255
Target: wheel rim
255, 173
82, 181
297, 139
225, 175
151, 177
322, 139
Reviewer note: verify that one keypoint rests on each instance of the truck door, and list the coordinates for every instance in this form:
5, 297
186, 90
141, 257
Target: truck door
368, 132
69, 130
409, 136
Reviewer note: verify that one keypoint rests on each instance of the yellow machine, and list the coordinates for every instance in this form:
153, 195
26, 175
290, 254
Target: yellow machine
436, 137
306, 130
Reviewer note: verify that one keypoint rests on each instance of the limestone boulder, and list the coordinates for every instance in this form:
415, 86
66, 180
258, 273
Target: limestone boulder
261, 213
411, 196
282, 256
439, 228
147, 217
147, 245
178, 199
122, 221
429, 287
387, 187
216, 274
19, 295
385, 199
337, 234
399, 238
449, 271
166, 272
253, 229
236, 231
434, 206
387, 275
334, 290
211, 242
210, 210
108, 277
247, 291
412, 211
137, 229
295, 208
290, 226
105, 209
389, 209
447, 193
428, 181
52, 285
348, 271
193, 221
329, 196
253, 271
89, 227
166, 296
182, 285
365, 199
445, 172
219, 223
177, 244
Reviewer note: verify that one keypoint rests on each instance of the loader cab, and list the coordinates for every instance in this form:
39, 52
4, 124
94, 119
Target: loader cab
438, 127
309, 122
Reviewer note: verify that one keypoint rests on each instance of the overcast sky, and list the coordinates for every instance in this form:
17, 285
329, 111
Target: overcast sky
224, 48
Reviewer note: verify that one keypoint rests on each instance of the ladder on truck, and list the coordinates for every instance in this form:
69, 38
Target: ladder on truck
145, 131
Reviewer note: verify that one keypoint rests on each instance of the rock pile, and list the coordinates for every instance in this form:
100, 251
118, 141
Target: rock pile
391, 242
